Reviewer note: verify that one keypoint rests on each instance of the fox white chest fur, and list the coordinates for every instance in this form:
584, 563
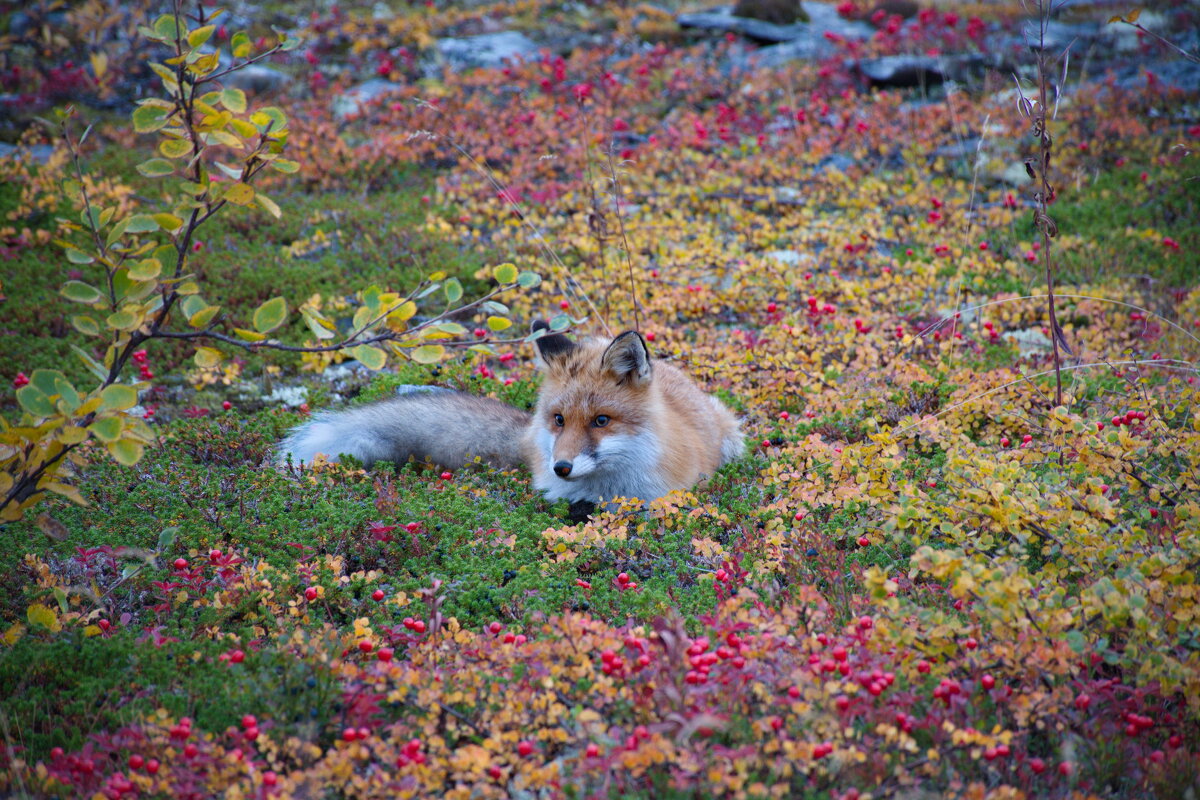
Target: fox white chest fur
609, 422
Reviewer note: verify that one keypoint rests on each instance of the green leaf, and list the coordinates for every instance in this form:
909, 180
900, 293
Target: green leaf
1076, 641
505, 273
285, 165
35, 401
174, 148
208, 356
126, 452
85, 325
427, 353
107, 429
142, 223
241, 194
166, 27
528, 280
239, 45
234, 100
80, 292
156, 168
147, 119
167, 538
118, 397
560, 322
453, 290
270, 315
268, 205
270, 117
46, 380
201, 35
93, 366
204, 316
78, 256
145, 270
124, 320
68, 393
371, 357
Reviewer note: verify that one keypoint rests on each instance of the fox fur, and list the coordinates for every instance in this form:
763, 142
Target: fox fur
610, 421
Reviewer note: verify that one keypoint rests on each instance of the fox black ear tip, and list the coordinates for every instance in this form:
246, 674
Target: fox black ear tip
540, 325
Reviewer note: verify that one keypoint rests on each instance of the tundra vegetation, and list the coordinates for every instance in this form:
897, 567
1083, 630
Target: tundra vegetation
961, 554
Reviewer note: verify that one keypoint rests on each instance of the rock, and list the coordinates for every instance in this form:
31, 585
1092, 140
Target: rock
359, 97
256, 79
835, 163
1016, 175
40, 153
823, 19
789, 258
1180, 74
487, 50
1058, 35
964, 150
777, 12
287, 396
1030, 341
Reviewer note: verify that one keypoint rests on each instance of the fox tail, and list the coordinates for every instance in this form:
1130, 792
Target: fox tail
429, 424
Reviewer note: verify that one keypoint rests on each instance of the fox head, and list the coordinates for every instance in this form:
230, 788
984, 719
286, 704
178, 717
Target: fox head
595, 407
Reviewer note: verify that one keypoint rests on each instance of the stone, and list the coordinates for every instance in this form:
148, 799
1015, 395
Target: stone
822, 19
358, 98
777, 12
487, 50
40, 153
789, 258
256, 79
1030, 341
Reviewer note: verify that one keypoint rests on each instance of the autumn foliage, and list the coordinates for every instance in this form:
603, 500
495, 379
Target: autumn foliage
927, 574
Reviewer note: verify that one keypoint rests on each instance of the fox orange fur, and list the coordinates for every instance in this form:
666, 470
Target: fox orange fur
610, 422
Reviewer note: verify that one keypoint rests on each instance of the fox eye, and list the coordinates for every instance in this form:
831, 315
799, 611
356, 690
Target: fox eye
558, 420
600, 421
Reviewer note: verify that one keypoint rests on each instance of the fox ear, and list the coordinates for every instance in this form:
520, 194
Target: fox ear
550, 346
628, 358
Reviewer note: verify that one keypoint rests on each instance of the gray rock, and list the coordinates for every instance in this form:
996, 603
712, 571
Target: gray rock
40, 153
1180, 73
789, 258
487, 50
1030, 341
822, 18
359, 97
256, 79
907, 71
836, 162
1016, 175
1058, 35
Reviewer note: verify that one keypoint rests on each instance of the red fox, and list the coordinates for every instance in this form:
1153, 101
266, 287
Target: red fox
609, 422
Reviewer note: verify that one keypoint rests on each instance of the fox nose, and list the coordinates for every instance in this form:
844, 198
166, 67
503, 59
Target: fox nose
562, 468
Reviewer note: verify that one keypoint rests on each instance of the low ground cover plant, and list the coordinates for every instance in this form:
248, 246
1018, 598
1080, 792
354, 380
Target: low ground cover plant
946, 564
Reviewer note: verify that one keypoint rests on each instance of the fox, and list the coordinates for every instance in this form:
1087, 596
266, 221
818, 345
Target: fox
610, 421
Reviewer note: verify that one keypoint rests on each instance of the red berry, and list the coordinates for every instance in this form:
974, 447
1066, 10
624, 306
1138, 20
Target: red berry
384, 654
1037, 765
447, 476
366, 646
136, 761
865, 623
251, 734
377, 595
988, 682
311, 593
592, 751
650, 336
771, 308
970, 643
249, 721
1082, 702
1153, 513
525, 748
237, 657
1065, 768
494, 772
190, 750
152, 766
226, 405
419, 626
623, 578
270, 778
923, 666
349, 735
495, 627
181, 563
863, 541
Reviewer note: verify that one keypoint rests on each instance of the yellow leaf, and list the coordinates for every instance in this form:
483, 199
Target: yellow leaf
42, 616
241, 194
13, 634
99, 64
